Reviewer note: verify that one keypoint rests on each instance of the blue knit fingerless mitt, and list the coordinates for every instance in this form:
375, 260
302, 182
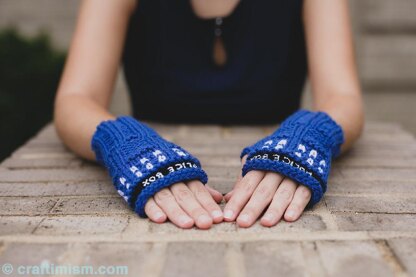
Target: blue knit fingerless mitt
300, 149
140, 161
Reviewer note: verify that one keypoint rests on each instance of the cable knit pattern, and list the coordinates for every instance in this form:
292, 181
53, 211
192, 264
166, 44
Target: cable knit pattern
300, 149
140, 161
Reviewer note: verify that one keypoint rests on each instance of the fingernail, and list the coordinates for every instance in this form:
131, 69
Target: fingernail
216, 214
290, 214
204, 219
269, 217
158, 215
244, 217
184, 219
228, 214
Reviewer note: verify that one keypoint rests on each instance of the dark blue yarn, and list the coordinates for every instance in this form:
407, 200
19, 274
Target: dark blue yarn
308, 139
133, 152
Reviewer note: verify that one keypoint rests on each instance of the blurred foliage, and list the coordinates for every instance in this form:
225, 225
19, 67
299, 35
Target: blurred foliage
30, 70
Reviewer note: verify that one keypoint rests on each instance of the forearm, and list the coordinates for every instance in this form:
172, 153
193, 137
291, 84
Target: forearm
347, 111
76, 118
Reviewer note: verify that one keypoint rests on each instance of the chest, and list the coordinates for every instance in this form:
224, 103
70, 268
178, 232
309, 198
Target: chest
213, 8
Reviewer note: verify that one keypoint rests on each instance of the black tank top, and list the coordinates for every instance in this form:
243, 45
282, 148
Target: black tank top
172, 77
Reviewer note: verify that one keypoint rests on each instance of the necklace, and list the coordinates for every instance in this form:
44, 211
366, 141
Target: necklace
219, 54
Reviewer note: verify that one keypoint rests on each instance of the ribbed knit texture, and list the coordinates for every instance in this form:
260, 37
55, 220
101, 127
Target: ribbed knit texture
140, 161
301, 149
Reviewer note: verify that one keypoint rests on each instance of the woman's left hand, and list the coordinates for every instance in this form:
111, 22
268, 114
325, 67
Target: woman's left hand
257, 191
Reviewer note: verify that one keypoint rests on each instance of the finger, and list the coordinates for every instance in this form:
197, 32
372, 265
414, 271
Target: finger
280, 202
167, 202
205, 199
243, 160
298, 204
239, 177
260, 199
215, 194
191, 206
228, 195
242, 194
154, 212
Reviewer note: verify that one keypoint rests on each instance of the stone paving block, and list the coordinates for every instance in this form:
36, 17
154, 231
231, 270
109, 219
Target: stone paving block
393, 174
91, 205
372, 149
170, 228
365, 155
385, 15
373, 204
137, 226
380, 138
51, 175
306, 223
404, 249
224, 172
235, 144
220, 161
273, 258
32, 254
372, 162
353, 258
133, 256
388, 61
246, 132
202, 132
373, 187
81, 225
199, 259
383, 127
375, 222
35, 163
223, 185
168, 131
26, 205
58, 189
17, 225
46, 151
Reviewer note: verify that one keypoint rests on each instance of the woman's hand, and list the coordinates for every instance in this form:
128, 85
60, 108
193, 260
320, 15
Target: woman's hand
185, 205
263, 190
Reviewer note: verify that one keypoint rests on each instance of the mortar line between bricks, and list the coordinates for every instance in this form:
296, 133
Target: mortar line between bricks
390, 258
73, 254
210, 237
72, 196
2, 247
155, 260
53, 207
328, 218
409, 195
234, 260
312, 258
126, 226
38, 225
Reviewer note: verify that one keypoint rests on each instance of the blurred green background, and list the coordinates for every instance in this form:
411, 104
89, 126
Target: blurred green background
29, 74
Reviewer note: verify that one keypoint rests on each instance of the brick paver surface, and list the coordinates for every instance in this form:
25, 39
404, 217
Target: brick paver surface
57, 208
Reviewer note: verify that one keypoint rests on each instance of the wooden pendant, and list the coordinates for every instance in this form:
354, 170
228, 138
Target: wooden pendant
219, 54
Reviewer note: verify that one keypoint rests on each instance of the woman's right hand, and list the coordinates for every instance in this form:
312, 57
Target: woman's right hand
186, 204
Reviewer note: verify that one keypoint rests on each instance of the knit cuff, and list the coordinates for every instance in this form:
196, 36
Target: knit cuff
301, 149
140, 161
